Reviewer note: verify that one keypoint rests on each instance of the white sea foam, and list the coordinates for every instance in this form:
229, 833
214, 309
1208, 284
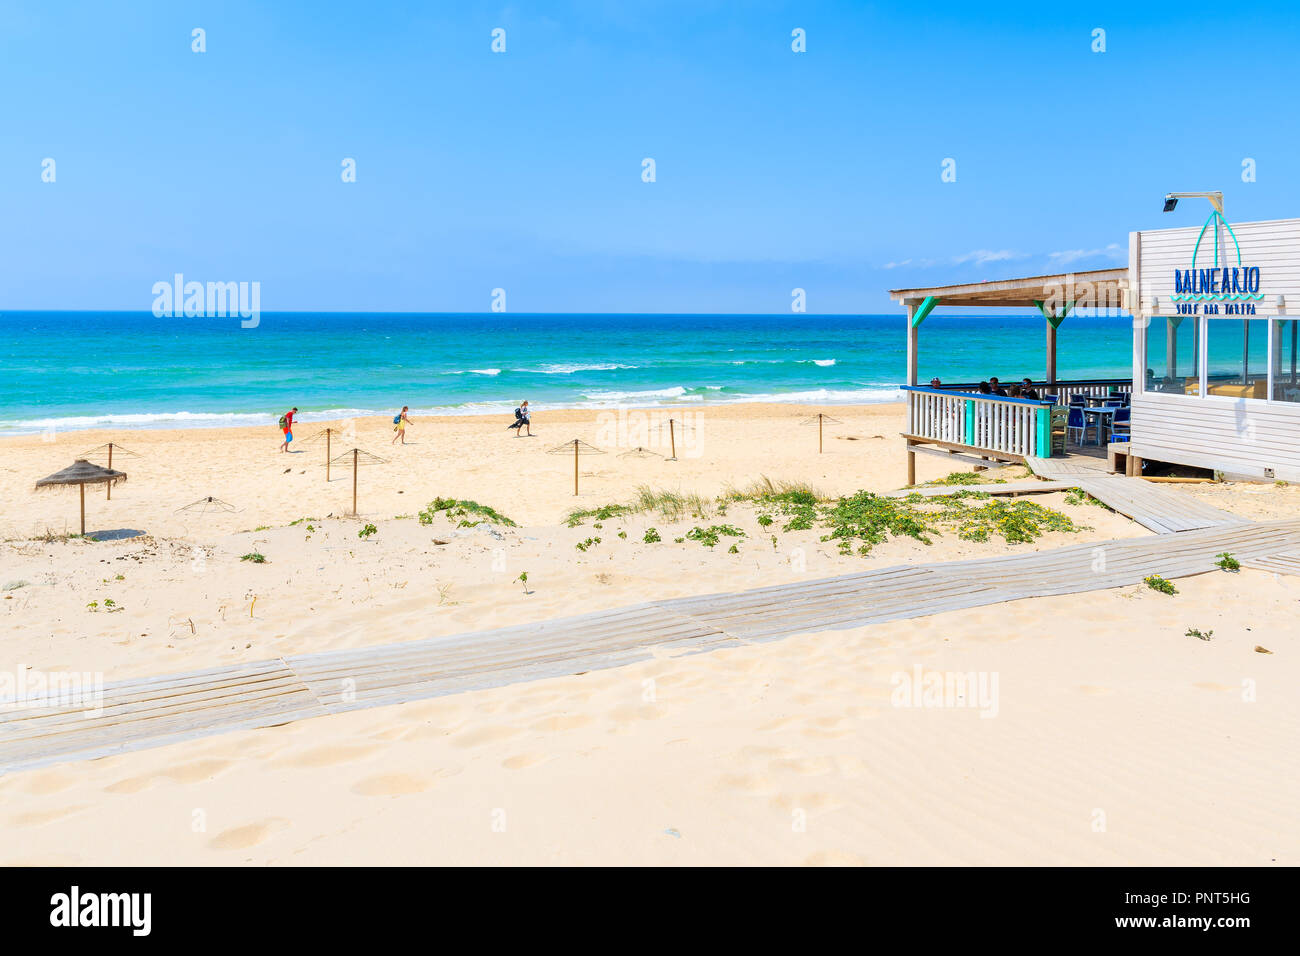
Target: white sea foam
675, 392
647, 398
567, 369
486, 371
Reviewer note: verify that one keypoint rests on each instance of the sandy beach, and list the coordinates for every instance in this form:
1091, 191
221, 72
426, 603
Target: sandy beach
1116, 738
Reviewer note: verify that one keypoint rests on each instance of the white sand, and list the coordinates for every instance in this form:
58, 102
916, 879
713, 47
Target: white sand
788, 752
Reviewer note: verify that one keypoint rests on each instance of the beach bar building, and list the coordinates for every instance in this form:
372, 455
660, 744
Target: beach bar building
1214, 380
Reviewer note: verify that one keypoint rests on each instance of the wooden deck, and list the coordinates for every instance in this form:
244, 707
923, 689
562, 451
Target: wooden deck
1158, 509
155, 711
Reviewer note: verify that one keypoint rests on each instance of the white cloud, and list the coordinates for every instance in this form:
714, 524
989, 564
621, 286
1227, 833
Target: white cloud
982, 257
1066, 256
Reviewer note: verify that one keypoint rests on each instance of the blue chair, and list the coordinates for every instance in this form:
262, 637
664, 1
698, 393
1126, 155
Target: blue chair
1121, 427
1115, 402
1054, 399
1080, 401
1078, 422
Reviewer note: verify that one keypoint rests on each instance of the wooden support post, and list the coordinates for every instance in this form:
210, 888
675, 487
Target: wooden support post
912, 340
355, 456
327, 455
819, 433
911, 465
1051, 356
82, 486
575, 467
109, 484
672, 438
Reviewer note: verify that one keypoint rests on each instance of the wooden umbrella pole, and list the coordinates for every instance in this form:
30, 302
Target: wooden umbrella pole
575, 466
672, 438
108, 484
819, 433
354, 481
82, 486
327, 455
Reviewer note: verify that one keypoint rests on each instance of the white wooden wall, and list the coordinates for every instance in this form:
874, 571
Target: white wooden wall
1234, 435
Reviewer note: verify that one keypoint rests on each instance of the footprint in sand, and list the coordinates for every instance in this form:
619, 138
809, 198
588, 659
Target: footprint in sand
197, 770
250, 834
560, 723
326, 756
48, 781
193, 772
1212, 686
485, 735
524, 761
38, 817
391, 785
628, 713
754, 784
827, 727
806, 766
1095, 691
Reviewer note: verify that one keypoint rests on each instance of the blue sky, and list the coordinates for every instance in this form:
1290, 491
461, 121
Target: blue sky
522, 170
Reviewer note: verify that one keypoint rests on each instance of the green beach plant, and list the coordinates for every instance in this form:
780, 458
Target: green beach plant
459, 508
1156, 583
1227, 562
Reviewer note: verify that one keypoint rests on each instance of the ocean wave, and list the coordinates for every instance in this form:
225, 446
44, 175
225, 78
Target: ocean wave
676, 391
485, 371
568, 369
703, 395
824, 363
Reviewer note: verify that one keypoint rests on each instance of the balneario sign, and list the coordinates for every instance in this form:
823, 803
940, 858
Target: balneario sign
1218, 290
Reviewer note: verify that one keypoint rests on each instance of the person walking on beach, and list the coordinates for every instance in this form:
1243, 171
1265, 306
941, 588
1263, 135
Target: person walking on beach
286, 425
522, 420
400, 421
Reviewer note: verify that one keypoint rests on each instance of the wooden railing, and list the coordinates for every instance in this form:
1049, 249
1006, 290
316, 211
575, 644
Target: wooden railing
983, 423
1062, 388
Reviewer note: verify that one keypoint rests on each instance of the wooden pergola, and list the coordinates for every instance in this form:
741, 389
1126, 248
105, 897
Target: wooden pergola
957, 423
1053, 295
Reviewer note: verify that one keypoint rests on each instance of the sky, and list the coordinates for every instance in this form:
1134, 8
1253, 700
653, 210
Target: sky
522, 170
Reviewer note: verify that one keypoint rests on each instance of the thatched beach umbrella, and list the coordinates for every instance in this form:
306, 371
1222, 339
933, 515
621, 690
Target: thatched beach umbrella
82, 473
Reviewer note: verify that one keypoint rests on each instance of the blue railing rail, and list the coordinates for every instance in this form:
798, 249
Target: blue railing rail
978, 396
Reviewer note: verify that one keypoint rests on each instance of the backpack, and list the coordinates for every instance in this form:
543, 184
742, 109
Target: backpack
397, 419
284, 421
518, 414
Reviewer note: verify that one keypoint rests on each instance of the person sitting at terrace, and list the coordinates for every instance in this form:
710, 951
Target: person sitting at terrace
985, 389
1027, 388
1015, 392
935, 383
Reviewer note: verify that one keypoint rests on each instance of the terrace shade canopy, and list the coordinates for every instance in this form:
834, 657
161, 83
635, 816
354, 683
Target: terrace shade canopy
81, 473
1052, 295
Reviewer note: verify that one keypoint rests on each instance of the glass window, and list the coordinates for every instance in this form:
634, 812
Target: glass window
1171, 354
1286, 381
1236, 360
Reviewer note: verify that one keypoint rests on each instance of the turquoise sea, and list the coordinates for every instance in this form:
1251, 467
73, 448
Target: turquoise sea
70, 370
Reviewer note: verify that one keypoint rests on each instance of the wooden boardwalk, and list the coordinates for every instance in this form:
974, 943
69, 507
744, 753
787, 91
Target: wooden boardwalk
155, 711
1158, 509
1284, 562
1032, 487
